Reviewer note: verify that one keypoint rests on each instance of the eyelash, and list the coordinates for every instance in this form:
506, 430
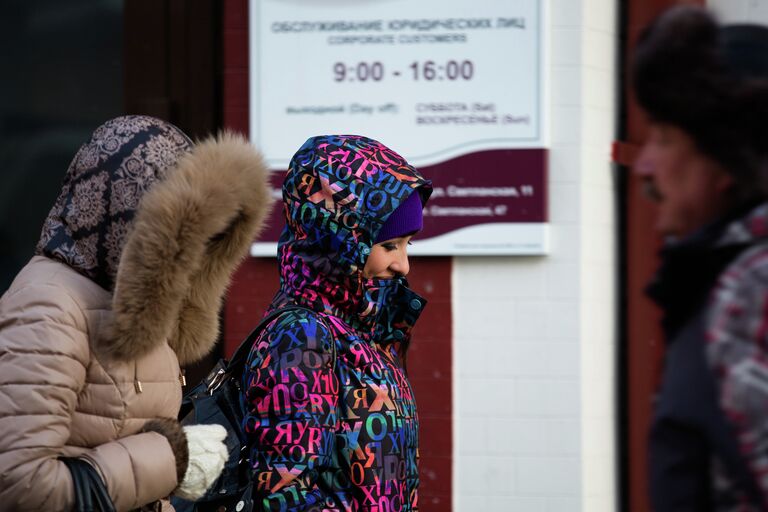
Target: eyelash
393, 247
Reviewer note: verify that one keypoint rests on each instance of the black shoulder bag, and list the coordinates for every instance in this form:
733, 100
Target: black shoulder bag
90, 492
218, 399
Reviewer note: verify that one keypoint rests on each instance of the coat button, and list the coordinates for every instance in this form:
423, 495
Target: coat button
415, 304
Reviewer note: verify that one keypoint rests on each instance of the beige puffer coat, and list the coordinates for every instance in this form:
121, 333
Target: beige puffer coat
82, 368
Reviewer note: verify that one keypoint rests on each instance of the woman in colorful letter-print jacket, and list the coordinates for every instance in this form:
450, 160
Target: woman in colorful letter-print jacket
331, 416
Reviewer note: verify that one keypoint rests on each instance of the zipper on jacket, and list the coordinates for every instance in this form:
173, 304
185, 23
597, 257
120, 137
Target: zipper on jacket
182, 377
136, 381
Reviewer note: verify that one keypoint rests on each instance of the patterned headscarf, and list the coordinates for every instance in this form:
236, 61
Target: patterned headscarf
88, 224
339, 191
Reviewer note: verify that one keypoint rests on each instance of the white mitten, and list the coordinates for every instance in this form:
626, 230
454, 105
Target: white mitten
207, 455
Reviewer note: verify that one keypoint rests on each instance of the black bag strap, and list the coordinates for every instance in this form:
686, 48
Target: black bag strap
78, 484
99, 493
90, 492
237, 363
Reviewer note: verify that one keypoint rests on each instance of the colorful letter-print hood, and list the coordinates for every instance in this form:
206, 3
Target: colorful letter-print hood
337, 194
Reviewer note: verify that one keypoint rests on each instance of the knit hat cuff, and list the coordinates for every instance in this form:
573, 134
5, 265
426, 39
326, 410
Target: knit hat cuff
405, 220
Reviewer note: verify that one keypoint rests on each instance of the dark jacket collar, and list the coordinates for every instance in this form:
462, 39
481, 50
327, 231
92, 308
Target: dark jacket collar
689, 267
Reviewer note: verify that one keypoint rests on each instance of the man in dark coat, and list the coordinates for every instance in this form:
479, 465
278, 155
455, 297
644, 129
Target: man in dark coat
704, 87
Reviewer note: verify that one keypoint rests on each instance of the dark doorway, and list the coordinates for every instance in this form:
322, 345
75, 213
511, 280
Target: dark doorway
173, 62
70, 66
62, 76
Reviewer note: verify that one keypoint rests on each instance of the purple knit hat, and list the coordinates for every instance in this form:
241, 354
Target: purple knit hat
405, 220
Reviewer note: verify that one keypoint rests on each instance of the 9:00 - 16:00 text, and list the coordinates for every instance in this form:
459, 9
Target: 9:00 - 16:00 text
427, 70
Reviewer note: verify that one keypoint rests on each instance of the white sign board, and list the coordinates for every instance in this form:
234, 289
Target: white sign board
436, 81
431, 79
740, 11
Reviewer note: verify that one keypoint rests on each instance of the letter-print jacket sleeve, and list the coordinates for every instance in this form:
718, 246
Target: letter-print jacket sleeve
291, 395
737, 350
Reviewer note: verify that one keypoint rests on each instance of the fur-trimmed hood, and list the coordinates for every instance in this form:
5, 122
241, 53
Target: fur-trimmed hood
189, 234
161, 223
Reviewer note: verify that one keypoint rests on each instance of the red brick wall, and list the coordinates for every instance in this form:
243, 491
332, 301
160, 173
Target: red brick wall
429, 367
429, 361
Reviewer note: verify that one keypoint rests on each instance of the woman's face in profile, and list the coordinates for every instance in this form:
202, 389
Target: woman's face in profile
388, 259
